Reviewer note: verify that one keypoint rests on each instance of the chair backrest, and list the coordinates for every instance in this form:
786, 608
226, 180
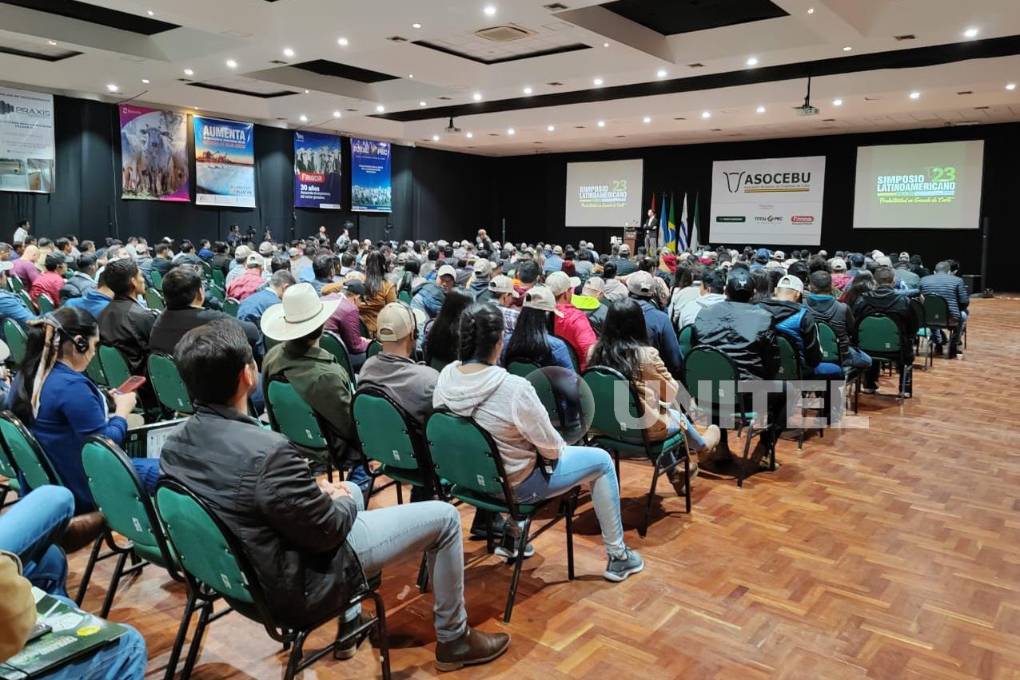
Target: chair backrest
828, 343
604, 383
15, 283
878, 334
215, 291
465, 455
115, 366
96, 373
711, 366
374, 348
332, 343
404, 296
27, 300
17, 340
789, 362
168, 384
45, 303
156, 278
920, 315
535, 375
936, 310
384, 431
120, 496
204, 547
218, 277
154, 299
230, 305
26, 453
7, 467
291, 416
685, 339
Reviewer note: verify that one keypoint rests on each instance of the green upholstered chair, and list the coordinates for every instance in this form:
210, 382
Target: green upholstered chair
167, 383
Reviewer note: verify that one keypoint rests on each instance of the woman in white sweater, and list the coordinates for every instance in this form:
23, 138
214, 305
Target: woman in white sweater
508, 408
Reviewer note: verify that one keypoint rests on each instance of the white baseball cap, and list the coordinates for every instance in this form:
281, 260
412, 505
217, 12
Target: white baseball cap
791, 282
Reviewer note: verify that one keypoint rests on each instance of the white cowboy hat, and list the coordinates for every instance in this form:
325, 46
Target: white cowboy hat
301, 312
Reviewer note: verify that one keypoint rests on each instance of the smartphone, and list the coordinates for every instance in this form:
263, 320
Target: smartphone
131, 384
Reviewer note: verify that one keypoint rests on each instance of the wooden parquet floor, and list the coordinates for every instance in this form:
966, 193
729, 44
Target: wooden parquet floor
890, 552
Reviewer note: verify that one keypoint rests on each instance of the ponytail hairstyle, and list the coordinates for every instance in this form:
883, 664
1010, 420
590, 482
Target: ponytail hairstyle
481, 327
46, 345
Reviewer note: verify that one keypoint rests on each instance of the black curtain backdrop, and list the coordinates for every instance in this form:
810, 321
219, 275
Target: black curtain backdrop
438, 194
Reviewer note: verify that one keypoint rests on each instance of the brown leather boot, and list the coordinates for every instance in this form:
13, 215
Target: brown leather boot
82, 531
472, 648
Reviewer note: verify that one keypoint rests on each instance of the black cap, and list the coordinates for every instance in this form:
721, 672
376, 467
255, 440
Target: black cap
739, 285
354, 286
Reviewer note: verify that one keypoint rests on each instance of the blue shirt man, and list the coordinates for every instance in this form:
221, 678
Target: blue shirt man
94, 301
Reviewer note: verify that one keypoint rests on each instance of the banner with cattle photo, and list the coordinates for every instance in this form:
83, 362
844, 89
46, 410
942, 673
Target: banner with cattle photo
154, 154
27, 151
224, 163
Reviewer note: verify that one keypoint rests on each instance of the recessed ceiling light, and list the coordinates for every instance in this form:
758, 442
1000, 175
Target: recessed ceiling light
511, 131
661, 73
597, 82
112, 87
752, 61
231, 63
151, 13
811, 10
760, 109
435, 138
288, 52
601, 123
423, 103
646, 120
470, 135
303, 118
837, 102
189, 72
489, 10
527, 90
308, 91
51, 42
145, 81
416, 25
477, 96
971, 32
550, 128
337, 114
847, 48
196, 108
706, 114
380, 108
915, 95
411, 76
605, 44
342, 42
1010, 86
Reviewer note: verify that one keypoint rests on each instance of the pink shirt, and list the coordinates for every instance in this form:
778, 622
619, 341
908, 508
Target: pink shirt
49, 283
246, 284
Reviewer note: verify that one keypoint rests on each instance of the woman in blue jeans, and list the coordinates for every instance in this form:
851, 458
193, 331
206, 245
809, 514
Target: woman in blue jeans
508, 408
54, 398
29, 531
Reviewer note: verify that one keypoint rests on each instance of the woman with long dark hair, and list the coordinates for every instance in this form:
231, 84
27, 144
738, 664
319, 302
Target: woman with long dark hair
62, 407
864, 282
442, 335
378, 291
762, 286
533, 340
508, 408
624, 347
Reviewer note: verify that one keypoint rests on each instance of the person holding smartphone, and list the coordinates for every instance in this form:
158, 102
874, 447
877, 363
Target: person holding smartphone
54, 398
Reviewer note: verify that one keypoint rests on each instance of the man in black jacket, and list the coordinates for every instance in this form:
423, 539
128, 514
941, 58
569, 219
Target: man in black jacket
126, 324
839, 317
311, 542
796, 322
886, 300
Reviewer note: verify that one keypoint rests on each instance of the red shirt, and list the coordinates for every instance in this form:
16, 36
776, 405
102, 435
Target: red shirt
246, 284
575, 329
49, 283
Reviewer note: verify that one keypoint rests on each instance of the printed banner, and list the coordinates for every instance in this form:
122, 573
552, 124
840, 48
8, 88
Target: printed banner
27, 150
224, 163
316, 170
154, 154
768, 201
371, 189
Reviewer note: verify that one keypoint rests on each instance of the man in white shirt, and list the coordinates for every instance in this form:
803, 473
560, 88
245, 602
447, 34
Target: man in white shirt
21, 232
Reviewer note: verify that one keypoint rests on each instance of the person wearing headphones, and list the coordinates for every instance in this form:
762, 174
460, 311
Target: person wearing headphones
54, 398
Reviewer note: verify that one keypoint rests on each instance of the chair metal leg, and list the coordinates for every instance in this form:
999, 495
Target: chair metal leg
384, 642
643, 531
518, 563
87, 576
742, 471
490, 546
616, 463
687, 480
400, 493
196, 640
294, 660
182, 633
423, 573
568, 512
118, 570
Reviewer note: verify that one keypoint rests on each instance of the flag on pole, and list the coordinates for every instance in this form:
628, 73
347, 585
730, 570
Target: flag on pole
681, 230
671, 222
663, 223
694, 225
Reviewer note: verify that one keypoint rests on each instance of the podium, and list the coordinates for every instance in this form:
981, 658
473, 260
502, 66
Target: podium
630, 238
